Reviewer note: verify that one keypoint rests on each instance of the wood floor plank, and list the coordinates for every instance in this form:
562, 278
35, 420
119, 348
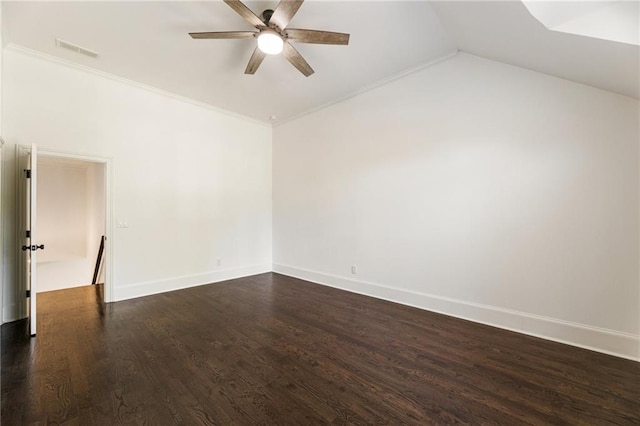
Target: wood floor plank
271, 349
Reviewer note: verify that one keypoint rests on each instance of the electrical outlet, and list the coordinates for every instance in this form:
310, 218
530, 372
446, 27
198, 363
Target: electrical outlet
120, 223
218, 262
354, 269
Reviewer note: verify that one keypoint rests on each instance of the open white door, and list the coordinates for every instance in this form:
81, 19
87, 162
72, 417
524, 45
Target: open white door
30, 247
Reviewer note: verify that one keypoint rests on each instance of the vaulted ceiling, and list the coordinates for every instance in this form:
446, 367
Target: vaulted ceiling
507, 32
148, 42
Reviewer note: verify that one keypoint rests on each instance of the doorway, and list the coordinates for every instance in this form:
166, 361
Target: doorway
71, 222
98, 168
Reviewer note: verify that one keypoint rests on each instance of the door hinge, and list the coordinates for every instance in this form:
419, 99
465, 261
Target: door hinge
27, 172
28, 234
28, 293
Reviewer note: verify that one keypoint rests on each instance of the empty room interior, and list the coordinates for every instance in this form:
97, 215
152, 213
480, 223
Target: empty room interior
320, 212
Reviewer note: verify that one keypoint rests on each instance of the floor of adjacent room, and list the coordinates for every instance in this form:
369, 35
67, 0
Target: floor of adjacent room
270, 349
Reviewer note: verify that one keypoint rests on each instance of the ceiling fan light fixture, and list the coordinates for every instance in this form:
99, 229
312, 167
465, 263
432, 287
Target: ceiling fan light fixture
273, 33
270, 42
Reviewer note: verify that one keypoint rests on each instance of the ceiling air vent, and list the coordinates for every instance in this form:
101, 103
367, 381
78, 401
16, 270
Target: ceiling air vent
75, 48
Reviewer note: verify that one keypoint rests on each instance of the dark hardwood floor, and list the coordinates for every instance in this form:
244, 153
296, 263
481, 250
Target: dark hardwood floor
270, 349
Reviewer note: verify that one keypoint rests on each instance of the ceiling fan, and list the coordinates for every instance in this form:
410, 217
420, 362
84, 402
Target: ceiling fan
273, 35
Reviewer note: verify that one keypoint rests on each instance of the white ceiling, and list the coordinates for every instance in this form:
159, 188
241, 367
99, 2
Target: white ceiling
616, 20
507, 32
148, 42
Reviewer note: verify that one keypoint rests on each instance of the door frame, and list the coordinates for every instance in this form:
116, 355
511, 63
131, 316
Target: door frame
108, 214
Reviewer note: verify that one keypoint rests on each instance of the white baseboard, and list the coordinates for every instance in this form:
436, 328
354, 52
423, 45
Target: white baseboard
612, 342
148, 288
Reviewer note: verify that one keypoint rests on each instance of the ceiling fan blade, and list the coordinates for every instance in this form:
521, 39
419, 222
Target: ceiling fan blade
245, 12
296, 59
254, 62
224, 34
285, 10
317, 37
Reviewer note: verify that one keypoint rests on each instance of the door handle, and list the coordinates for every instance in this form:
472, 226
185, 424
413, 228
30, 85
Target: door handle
33, 247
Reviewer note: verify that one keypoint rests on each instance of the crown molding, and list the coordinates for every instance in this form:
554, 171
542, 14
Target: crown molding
371, 87
49, 58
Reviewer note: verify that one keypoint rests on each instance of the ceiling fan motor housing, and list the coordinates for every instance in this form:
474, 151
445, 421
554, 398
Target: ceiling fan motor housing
266, 16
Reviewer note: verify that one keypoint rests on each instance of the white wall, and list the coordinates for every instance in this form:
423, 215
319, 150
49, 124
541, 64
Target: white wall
70, 221
476, 189
193, 184
62, 209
